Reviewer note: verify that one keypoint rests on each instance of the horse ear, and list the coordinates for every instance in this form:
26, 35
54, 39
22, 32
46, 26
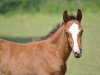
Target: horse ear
65, 16
79, 15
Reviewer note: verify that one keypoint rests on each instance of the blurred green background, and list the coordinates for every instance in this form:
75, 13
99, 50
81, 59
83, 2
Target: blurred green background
21, 20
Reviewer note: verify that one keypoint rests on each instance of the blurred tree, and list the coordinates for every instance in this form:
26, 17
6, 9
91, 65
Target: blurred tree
6, 6
31, 5
11, 5
48, 5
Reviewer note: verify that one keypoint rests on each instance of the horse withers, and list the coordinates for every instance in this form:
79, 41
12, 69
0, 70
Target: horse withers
47, 55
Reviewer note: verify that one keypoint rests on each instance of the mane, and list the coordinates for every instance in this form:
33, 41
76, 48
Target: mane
50, 33
71, 17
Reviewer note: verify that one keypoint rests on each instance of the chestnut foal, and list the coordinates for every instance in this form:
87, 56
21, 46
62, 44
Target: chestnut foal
46, 56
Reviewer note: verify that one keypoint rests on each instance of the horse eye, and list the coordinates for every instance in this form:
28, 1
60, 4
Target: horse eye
66, 33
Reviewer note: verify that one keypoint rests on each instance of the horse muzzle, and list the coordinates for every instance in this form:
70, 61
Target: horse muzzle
78, 55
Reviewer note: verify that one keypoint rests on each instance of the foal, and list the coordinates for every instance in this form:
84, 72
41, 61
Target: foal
47, 56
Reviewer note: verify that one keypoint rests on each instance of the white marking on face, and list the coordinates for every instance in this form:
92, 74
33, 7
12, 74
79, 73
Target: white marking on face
74, 31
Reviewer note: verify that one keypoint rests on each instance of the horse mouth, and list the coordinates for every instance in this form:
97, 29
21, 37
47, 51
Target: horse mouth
77, 55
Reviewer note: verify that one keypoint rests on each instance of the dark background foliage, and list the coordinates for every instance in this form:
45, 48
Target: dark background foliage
47, 5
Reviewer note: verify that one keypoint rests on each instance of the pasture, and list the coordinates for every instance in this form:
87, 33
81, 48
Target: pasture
22, 27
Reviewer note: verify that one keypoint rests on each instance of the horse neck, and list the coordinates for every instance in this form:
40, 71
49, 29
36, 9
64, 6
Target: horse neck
59, 41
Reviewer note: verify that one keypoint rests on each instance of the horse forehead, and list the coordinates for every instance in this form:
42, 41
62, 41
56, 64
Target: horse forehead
74, 28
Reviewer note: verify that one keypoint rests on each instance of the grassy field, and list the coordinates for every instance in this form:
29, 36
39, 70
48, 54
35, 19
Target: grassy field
22, 27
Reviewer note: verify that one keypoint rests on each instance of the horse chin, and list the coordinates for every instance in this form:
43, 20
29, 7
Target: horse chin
77, 55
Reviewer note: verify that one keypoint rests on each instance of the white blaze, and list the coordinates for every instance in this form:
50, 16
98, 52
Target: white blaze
74, 31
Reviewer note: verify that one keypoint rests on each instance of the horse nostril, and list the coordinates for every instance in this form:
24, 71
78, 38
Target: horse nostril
80, 49
75, 53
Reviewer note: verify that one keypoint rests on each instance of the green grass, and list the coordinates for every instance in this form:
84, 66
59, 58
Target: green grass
25, 26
